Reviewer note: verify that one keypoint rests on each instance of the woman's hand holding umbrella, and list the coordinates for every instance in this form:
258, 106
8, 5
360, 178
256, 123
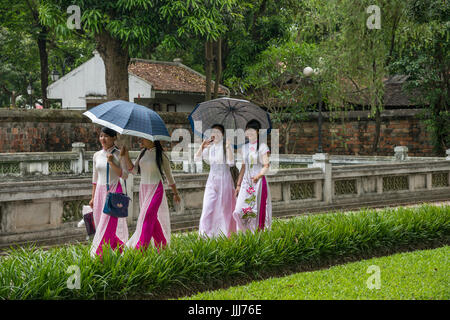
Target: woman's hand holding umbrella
206, 143
110, 157
124, 151
117, 169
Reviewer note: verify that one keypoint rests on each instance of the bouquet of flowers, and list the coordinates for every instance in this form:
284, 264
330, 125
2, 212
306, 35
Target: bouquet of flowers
251, 201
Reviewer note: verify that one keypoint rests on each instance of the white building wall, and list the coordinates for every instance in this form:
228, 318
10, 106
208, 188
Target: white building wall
184, 102
89, 80
138, 88
72, 88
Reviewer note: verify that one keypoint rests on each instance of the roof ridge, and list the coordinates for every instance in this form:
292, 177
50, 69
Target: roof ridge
179, 64
155, 61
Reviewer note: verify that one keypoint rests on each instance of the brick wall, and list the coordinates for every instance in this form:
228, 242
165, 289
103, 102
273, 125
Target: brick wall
56, 130
355, 134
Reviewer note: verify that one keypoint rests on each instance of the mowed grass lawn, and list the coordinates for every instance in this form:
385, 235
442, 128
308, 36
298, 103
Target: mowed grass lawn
422, 275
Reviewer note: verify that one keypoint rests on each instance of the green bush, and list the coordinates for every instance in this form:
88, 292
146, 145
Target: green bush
191, 263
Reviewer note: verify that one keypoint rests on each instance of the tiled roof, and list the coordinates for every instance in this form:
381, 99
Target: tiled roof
394, 94
171, 76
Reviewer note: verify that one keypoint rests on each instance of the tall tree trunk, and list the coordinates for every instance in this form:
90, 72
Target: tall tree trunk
208, 68
43, 58
442, 101
218, 67
116, 59
377, 129
378, 104
287, 135
43, 54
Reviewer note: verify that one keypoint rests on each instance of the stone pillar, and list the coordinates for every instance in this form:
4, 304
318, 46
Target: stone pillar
448, 154
359, 186
286, 191
379, 184
23, 167
195, 166
56, 213
7, 217
429, 181
322, 160
78, 165
401, 153
189, 165
35, 166
128, 188
411, 182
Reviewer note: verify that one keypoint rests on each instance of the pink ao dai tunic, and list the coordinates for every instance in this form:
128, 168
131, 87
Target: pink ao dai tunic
254, 206
153, 225
109, 230
219, 199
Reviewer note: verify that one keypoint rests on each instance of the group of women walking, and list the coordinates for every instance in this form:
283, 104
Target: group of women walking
229, 204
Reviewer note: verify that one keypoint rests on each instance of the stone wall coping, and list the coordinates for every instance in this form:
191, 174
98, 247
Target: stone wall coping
76, 116
305, 158
38, 156
396, 167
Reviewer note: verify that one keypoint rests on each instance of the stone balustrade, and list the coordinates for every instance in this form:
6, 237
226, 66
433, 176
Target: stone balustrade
79, 161
46, 209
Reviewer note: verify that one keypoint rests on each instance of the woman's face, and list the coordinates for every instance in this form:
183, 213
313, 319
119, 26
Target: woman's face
145, 143
216, 135
251, 134
106, 141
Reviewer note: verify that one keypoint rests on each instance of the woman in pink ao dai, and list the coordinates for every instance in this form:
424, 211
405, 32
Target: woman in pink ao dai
109, 230
219, 199
153, 224
253, 206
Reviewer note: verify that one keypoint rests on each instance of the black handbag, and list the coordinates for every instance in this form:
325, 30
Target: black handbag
89, 223
116, 203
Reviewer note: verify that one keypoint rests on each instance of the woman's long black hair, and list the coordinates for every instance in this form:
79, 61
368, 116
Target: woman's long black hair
110, 132
254, 124
221, 129
159, 154
233, 170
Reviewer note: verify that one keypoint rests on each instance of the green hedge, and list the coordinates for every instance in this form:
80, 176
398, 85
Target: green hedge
191, 264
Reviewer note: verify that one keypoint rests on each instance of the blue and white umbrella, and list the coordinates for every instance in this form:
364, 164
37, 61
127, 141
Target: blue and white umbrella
130, 119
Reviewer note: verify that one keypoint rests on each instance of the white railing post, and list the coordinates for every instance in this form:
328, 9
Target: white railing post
35, 166
401, 153
322, 160
197, 166
23, 168
130, 193
189, 164
78, 164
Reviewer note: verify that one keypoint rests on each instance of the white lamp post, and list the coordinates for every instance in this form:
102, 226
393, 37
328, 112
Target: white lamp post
30, 92
55, 75
308, 72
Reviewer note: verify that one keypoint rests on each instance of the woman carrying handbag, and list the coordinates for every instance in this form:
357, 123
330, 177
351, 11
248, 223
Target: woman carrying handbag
108, 167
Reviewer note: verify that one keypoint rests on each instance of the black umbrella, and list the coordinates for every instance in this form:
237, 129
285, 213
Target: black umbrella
229, 112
